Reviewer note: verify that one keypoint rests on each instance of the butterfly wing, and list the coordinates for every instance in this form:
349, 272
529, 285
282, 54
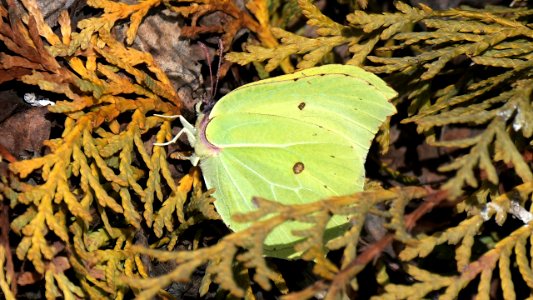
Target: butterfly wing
295, 139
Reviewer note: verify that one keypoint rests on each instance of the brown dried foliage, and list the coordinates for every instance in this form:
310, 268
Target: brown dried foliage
103, 203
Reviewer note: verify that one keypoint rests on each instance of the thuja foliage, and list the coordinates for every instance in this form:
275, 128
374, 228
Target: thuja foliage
92, 216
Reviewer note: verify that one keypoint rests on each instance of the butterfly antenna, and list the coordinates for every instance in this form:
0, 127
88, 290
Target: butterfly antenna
220, 51
208, 59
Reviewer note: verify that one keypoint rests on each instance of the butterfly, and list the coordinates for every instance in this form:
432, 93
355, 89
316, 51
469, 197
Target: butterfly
294, 139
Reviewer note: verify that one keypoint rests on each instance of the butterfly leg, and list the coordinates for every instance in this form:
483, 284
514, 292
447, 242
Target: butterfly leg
188, 129
173, 140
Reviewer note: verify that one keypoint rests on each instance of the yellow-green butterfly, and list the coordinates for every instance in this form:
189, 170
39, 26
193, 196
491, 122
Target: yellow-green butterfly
295, 139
